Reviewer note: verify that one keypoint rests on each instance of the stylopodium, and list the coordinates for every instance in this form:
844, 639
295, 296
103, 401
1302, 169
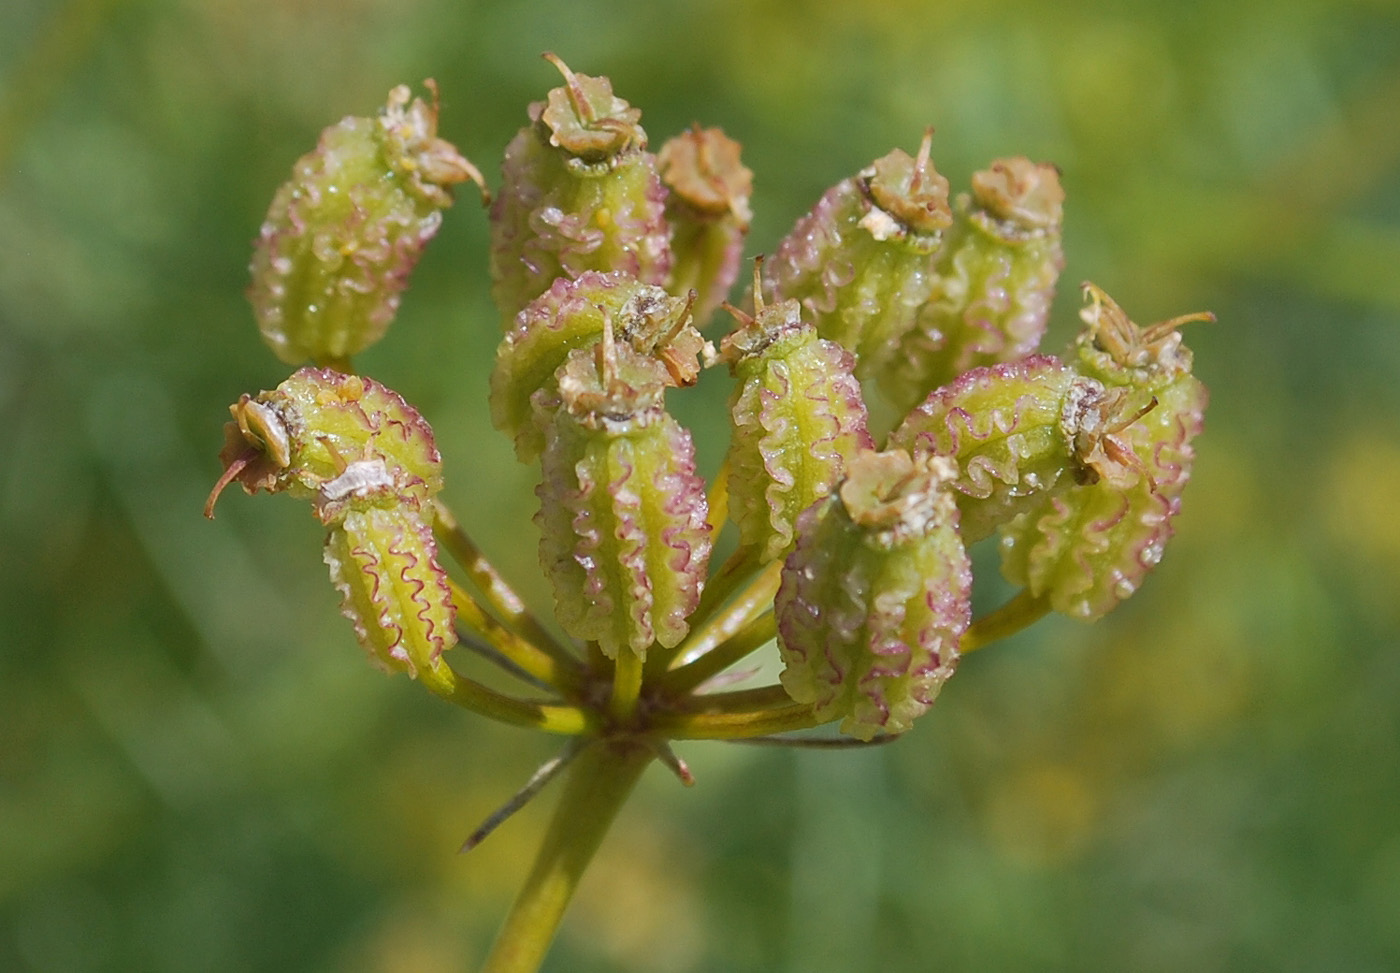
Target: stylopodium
852, 554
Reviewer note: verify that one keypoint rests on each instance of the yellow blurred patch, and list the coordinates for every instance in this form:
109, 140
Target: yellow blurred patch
1360, 509
1041, 816
404, 941
635, 907
1118, 84
1223, 499
1362, 497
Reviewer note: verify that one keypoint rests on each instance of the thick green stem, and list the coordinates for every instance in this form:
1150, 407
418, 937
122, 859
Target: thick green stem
755, 599
599, 782
735, 726
339, 363
718, 501
739, 568
735, 715
627, 685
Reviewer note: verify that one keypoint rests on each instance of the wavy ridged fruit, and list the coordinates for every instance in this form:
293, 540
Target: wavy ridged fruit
624, 538
342, 236
1089, 548
342, 441
1019, 431
708, 209
876, 595
580, 193
383, 561
996, 279
796, 414
862, 261
574, 314
367, 462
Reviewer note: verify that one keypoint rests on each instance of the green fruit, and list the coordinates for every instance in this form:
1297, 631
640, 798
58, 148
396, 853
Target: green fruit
624, 538
796, 415
996, 279
708, 209
574, 314
343, 234
580, 193
876, 595
1018, 432
342, 441
383, 561
1087, 549
861, 261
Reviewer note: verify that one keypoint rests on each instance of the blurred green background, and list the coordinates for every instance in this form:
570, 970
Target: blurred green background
198, 771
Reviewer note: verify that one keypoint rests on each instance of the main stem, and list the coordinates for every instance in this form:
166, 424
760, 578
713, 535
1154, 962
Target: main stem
599, 782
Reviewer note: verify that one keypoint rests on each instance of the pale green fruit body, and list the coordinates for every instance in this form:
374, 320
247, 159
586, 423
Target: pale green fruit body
580, 192
572, 314
1089, 548
623, 532
861, 262
1011, 429
368, 463
996, 277
796, 415
876, 596
341, 441
708, 210
383, 561
342, 236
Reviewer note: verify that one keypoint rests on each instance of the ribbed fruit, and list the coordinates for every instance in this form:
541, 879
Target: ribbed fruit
796, 414
624, 538
1089, 548
580, 192
337, 246
861, 262
995, 280
708, 209
876, 595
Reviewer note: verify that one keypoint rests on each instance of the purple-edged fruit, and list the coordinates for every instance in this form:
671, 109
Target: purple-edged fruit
624, 538
876, 595
580, 192
343, 234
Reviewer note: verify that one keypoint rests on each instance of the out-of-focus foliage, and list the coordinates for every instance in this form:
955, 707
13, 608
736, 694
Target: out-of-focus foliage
197, 771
